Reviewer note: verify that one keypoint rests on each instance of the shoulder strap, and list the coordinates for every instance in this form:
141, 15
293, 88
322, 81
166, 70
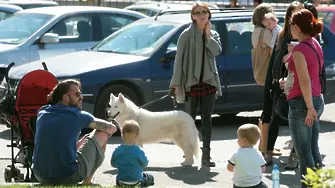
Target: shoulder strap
260, 39
317, 55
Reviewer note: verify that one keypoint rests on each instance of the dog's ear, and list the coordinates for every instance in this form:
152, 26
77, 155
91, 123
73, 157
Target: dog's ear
121, 97
112, 96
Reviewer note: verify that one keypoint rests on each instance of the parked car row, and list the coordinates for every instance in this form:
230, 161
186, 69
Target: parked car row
154, 8
137, 59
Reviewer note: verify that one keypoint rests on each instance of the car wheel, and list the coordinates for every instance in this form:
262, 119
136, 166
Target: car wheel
102, 104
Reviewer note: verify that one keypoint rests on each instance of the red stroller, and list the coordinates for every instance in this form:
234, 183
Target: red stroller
19, 111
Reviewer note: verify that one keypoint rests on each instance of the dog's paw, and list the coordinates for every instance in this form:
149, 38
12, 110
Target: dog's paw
186, 163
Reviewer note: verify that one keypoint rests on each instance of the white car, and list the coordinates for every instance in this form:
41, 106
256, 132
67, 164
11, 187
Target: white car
38, 33
7, 10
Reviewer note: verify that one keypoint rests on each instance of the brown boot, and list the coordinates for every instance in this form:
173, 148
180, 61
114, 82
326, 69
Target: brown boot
206, 158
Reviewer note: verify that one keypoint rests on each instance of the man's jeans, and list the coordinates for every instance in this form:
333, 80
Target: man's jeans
305, 139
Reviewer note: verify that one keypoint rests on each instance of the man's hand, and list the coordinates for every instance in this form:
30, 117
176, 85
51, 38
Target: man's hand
103, 125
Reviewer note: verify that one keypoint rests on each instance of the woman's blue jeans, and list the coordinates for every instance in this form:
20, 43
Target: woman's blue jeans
305, 139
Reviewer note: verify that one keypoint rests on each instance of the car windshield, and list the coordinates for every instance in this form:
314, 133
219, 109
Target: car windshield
17, 28
137, 39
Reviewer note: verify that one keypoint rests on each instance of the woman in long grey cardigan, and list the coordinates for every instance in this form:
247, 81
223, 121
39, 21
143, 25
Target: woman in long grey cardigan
195, 77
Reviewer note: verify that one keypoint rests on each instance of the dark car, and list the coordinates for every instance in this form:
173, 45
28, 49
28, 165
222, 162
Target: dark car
138, 61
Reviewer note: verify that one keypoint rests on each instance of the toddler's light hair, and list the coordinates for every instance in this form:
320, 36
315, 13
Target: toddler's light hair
250, 132
130, 126
270, 16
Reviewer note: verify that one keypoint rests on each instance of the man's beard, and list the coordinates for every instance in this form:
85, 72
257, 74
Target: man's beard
75, 104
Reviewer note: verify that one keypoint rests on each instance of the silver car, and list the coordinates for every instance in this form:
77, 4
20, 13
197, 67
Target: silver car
7, 10
38, 33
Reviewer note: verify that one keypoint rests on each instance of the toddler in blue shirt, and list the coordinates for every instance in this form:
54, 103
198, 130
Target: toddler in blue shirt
130, 159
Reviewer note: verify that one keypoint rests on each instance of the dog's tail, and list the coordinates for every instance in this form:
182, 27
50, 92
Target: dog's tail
196, 147
195, 140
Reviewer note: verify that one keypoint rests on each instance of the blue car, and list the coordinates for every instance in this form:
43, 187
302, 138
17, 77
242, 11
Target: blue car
138, 61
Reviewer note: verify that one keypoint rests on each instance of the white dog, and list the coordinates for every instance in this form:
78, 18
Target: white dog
176, 126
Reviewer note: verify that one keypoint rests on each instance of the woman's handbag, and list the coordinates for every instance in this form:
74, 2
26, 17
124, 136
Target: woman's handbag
281, 106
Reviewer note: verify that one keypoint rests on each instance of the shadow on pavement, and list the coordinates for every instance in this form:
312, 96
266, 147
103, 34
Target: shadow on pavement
290, 178
189, 175
224, 128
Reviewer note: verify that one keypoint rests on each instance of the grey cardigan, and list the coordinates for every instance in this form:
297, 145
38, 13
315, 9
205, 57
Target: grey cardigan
187, 65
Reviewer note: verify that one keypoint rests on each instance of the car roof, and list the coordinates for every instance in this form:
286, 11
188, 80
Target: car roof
10, 8
61, 10
182, 18
157, 6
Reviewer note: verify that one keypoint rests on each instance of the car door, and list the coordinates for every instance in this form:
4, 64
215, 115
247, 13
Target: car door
75, 33
111, 22
242, 90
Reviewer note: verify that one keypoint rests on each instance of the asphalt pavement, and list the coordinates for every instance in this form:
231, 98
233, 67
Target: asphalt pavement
164, 159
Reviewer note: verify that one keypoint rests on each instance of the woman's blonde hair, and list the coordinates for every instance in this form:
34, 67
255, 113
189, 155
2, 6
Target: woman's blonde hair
200, 4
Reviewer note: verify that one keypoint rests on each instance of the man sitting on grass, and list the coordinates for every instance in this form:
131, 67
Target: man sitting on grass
58, 158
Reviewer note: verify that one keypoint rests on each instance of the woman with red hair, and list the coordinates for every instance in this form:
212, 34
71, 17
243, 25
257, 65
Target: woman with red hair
303, 88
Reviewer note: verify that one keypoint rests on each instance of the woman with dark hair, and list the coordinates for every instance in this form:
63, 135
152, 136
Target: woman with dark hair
304, 89
272, 88
314, 11
195, 76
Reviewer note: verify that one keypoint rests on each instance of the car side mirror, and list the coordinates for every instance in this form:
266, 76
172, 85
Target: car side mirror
168, 58
170, 55
48, 38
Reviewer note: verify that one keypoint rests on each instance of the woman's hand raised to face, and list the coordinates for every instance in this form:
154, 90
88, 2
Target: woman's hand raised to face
208, 29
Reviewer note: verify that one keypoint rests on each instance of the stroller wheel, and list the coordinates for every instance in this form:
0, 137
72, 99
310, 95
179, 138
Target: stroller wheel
18, 175
8, 175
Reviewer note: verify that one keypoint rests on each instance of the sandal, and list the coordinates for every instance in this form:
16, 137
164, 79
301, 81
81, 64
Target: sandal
276, 152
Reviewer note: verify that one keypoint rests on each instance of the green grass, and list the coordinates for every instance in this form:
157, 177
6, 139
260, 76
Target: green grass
40, 186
